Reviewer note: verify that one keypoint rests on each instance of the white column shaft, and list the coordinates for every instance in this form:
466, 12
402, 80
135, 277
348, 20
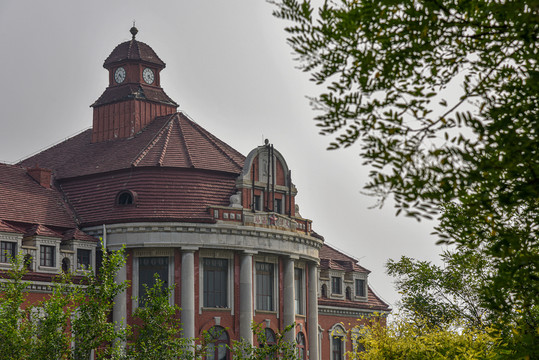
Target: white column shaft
312, 319
246, 297
188, 294
289, 316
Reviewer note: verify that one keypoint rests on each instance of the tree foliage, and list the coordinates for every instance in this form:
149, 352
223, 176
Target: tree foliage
74, 322
406, 340
443, 98
443, 297
158, 329
281, 349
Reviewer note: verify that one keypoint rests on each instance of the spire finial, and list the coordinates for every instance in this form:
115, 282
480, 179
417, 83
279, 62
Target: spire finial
133, 30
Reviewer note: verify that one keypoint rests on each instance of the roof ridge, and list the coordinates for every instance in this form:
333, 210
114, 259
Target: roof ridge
152, 142
187, 151
214, 141
165, 145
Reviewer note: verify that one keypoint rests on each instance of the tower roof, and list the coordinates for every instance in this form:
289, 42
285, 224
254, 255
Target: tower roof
169, 141
133, 50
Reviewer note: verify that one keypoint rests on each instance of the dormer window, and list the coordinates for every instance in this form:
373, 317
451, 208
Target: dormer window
84, 257
47, 256
125, 198
8, 250
336, 285
360, 288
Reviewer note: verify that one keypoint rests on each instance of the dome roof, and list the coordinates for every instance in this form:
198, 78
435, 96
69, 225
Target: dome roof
133, 50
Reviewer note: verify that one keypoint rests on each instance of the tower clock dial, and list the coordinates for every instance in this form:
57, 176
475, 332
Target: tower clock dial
148, 76
119, 75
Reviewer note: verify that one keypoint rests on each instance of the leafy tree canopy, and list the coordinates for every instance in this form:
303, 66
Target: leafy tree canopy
443, 296
442, 97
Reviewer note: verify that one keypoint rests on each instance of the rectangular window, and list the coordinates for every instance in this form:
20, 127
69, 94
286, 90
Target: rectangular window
360, 287
215, 283
8, 250
147, 267
337, 345
256, 204
336, 287
47, 256
298, 291
278, 206
264, 286
84, 258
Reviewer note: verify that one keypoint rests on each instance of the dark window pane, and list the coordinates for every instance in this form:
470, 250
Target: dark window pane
360, 287
217, 348
337, 342
47, 255
298, 290
8, 250
336, 287
215, 282
147, 267
83, 258
264, 286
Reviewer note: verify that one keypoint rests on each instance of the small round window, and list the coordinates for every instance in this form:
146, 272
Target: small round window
125, 198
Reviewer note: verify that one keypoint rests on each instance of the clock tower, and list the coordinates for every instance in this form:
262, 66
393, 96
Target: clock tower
134, 96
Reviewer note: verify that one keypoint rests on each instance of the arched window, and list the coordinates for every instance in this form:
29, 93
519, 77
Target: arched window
300, 343
337, 341
348, 293
324, 291
269, 340
217, 348
66, 265
125, 197
29, 262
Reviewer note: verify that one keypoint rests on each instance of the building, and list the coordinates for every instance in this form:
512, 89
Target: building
221, 226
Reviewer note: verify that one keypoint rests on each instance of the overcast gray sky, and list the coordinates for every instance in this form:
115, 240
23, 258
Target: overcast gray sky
229, 68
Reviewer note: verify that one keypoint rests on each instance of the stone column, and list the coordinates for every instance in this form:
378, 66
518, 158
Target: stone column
312, 318
289, 316
246, 296
188, 293
119, 309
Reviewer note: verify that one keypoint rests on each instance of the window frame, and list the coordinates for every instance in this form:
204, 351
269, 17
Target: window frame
4, 256
206, 292
79, 265
336, 280
337, 331
273, 287
44, 260
300, 345
363, 288
144, 253
218, 254
299, 303
215, 343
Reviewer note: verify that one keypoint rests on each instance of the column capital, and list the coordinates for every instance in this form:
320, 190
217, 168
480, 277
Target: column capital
189, 248
249, 252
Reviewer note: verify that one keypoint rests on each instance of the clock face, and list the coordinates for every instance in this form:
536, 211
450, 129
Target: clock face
148, 76
119, 75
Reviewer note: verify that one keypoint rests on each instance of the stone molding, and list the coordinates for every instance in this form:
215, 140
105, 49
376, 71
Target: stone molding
223, 236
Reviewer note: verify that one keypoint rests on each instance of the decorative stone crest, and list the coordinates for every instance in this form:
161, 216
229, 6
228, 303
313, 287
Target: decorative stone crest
235, 200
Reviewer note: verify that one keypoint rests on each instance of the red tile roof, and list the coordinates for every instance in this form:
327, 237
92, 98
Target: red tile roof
76, 234
133, 50
373, 303
333, 259
161, 194
38, 229
5, 227
168, 141
133, 91
24, 200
